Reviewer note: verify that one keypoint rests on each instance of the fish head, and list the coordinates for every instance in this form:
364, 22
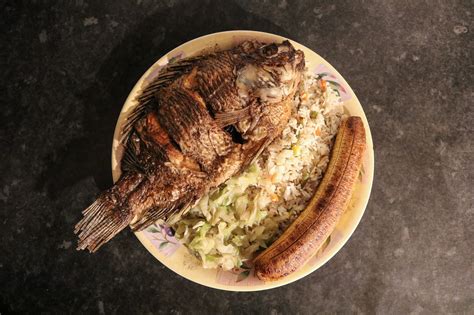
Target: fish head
273, 72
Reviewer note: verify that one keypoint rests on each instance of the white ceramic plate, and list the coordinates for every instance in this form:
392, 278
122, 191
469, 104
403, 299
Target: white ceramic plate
158, 240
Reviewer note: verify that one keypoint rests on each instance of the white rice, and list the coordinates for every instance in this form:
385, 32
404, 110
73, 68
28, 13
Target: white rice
248, 212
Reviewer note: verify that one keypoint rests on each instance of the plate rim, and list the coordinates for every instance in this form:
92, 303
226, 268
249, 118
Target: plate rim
355, 223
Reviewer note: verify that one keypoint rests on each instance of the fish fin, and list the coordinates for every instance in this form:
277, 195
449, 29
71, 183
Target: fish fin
154, 214
150, 217
175, 217
140, 111
130, 160
106, 217
256, 150
224, 119
102, 220
146, 99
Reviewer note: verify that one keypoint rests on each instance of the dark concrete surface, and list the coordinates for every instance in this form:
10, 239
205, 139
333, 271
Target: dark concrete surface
67, 67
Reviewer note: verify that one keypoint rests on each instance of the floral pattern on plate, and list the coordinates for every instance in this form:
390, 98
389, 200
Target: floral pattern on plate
323, 72
162, 237
243, 276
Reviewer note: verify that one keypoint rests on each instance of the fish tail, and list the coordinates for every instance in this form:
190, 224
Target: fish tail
104, 218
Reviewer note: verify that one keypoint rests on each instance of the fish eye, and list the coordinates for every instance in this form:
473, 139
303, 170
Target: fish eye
270, 50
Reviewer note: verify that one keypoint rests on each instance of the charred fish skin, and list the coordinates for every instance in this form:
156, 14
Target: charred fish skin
313, 226
177, 140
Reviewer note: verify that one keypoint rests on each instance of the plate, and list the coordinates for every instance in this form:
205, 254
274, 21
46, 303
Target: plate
158, 239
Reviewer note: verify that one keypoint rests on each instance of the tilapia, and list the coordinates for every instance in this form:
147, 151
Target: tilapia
201, 121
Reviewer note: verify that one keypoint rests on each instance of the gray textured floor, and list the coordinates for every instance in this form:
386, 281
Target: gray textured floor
66, 70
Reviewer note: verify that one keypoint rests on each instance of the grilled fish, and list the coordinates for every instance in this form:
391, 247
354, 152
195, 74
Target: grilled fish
201, 121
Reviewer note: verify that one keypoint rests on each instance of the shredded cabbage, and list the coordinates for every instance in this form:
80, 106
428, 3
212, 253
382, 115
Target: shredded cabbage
225, 224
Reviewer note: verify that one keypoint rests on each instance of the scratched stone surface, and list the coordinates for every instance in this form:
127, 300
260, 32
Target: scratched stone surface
67, 67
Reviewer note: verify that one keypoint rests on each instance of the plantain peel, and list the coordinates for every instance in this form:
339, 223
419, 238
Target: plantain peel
313, 226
